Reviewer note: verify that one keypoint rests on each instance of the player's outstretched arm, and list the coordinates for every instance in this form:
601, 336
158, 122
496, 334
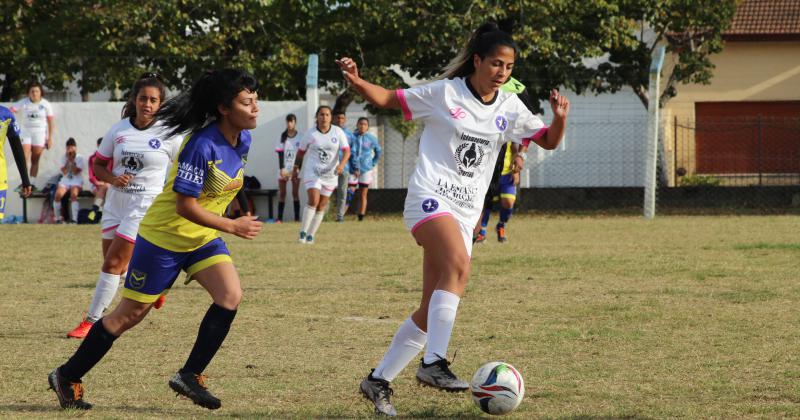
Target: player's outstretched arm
376, 95
19, 157
555, 133
246, 227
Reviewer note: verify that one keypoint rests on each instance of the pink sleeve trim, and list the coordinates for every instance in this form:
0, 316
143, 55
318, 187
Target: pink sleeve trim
278, 150
51, 117
401, 96
539, 134
131, 240
429, 218
346, 148
102, 156
13, 109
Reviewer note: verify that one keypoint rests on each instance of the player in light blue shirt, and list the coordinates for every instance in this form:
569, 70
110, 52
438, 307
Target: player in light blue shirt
365, 154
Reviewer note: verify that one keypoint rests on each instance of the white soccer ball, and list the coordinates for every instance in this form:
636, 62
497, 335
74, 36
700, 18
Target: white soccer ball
497, 388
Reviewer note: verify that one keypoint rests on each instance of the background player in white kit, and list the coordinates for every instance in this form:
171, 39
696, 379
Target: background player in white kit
36, 118
321, 170
286, 148
72, 168
467, 119
141, 152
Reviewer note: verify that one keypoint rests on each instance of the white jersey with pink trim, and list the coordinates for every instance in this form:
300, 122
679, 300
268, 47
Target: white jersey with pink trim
322, 153
289, 149
461, 140
145, 154
32, 116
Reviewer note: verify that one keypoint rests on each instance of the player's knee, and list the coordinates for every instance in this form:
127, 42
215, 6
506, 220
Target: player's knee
460, 266
113, 264
230, 299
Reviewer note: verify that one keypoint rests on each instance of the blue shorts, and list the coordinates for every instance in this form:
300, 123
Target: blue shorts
506, 186
153, 269
3, 203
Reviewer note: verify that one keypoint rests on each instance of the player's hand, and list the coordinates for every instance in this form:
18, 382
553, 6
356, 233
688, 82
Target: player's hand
339, 169
515, 177
357, 174
246, 227
122, 180
48, 144
349, 69
296, 172
517, 164
285, 174
26, 191
559, 104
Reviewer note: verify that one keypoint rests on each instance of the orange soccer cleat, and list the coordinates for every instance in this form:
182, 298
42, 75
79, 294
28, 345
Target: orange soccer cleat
81, 330
159, 302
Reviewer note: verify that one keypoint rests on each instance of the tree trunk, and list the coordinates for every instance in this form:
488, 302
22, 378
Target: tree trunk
8, 93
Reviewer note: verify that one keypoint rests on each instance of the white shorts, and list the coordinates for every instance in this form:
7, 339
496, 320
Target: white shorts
122, 214
325, 187
422, 207
34, 138
68, 182
364, 179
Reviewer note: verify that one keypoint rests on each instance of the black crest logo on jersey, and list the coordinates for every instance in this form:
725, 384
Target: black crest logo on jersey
154, 143
469, 156
132, 164
324, 157
137, 279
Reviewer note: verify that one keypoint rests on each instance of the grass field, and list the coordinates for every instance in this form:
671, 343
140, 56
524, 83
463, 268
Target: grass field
606, 317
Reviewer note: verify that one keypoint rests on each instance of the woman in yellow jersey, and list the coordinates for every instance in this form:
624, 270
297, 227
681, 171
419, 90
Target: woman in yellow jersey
180, 232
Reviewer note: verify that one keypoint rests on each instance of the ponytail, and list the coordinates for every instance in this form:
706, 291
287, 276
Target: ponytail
193, 109
482, 42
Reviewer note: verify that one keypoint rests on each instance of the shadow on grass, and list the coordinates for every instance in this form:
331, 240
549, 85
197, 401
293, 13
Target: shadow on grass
605, 417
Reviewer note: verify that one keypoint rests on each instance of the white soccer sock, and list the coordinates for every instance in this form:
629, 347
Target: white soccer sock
408, 341
57, 209
104, 292
441, 317
75, 206
315, 222
308, 214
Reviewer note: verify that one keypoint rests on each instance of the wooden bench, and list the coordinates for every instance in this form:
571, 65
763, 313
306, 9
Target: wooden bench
43, 195
270, 194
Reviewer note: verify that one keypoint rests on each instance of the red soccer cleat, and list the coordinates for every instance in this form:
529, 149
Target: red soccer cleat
159, 302
81, 330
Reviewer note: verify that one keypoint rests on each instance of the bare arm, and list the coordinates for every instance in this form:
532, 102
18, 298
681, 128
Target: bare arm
298, 163
555, 133
102, 173
51, 125
246, 227
345, 158
376, 95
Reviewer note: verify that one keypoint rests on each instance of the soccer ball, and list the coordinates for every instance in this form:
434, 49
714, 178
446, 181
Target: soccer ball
497, 388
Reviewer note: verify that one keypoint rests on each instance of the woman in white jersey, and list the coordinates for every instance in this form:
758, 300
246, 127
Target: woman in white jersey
141, 152
35, 116
72, 169
467, 120
286, 148
321, 169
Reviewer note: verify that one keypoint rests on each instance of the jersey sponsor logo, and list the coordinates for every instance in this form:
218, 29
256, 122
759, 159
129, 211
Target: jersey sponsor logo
458, 113
324, 157
429, 205
154, 143
132, 162
461, 195
137, 279
119, 140
188, 172
501, 122
132, 188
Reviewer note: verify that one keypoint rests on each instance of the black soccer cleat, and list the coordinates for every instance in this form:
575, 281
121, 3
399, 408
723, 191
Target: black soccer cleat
439, 375
70, 394
194, 387
379, 393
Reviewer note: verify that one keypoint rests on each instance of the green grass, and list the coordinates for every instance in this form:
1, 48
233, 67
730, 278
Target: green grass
606, 317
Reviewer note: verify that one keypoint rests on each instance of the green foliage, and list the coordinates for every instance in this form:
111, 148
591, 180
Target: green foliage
598, 46
700, 181
405, 128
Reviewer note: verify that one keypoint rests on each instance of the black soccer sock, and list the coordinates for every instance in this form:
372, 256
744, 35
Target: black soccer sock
360, 217
281, 206
96, 344
296, 210
213, 329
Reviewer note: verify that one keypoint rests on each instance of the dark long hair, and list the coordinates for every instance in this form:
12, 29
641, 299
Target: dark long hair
191, 110
483, 41
145, 80
285, 134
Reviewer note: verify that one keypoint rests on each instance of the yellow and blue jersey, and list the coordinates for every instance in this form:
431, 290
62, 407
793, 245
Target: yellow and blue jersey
208, 168
7, 122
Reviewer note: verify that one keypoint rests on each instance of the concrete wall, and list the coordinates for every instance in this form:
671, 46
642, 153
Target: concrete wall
86, 121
